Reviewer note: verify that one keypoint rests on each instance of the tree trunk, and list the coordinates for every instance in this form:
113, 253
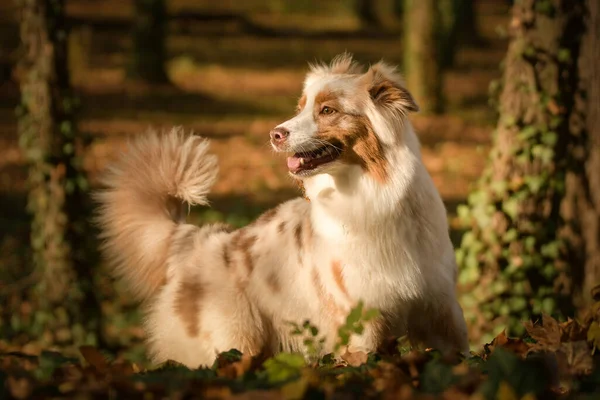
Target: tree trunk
376, 13
148, 50
582, 203
450, 21
459, 27
422, 29
467, 31
63, 300
515, 261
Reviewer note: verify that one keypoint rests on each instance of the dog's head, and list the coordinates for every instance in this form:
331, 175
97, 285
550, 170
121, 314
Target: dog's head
345, 117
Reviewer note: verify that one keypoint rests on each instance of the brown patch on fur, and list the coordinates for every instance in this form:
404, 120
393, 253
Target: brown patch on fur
226, 255
386, 88
355, 133
243, 242
336, 269
219, 227
267, 216
187, 305
326, 299
368, 149
273, 282
298, 236
302, 190
183, 240
281, 227
327, 97
301, 104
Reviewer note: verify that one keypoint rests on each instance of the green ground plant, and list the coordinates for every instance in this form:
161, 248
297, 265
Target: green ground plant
552, 360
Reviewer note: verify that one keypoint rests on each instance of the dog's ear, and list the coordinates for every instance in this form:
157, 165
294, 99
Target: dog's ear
386, 88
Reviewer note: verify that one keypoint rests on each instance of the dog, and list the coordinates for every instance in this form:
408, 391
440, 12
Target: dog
371, 227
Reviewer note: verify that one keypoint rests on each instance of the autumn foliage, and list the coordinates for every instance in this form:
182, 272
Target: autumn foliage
553, 360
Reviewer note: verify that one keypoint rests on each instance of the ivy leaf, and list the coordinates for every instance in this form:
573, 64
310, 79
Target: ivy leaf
284, 367
593, 335
436, 377
525, 377
511, 208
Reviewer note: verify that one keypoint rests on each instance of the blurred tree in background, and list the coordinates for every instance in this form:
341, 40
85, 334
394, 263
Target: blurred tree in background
58, 304
516, 260
467, 30
423, 30
582, 202
458, 26
376, 13
148, 52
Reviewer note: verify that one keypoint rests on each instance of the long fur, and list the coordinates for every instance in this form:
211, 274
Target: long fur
143, 201
374, 230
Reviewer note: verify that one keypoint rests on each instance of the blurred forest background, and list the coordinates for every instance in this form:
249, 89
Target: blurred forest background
509, 132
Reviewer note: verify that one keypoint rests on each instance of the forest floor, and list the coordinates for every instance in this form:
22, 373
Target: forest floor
233, 86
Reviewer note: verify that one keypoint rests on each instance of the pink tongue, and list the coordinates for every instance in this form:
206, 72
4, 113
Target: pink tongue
293, 163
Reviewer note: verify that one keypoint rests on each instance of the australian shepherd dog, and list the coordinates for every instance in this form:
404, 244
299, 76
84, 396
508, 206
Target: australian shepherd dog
371, 228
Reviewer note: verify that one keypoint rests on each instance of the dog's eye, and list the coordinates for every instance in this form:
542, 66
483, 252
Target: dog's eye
327, 110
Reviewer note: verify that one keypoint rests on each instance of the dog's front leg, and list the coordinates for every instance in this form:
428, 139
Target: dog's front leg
369, 340
439, 325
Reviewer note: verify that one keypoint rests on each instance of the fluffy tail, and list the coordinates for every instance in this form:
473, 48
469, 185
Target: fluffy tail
143, 202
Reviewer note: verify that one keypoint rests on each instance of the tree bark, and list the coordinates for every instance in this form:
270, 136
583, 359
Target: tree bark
376, 13
148, 51
422, 29
63, 299
582, 203
459, 27
467, 31
515, 260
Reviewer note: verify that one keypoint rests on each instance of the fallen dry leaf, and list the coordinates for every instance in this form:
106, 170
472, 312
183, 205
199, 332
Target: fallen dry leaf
94, 358
572, 331
355, 359
236, 369
547, 335
20, 388
516, 345
575, 358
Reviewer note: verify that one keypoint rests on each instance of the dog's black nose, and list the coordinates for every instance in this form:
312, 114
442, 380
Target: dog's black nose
279, 135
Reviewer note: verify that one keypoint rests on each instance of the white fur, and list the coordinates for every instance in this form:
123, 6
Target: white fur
390, 239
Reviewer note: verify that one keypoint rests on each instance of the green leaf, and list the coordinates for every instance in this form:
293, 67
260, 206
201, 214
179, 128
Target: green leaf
524, 376
371, 314
355, 314
551, 250
527, 133
232, 355
550, 138
49, 361
549, 305
284, 367
499, 187
510, 235
436, 377
564, 55
511, 208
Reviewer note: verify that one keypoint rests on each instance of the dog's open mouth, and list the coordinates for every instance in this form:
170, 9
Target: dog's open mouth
310, 160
